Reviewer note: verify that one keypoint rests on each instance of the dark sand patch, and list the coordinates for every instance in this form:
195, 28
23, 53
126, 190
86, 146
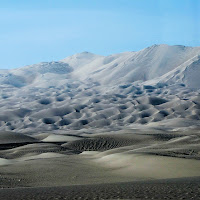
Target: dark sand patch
162, 189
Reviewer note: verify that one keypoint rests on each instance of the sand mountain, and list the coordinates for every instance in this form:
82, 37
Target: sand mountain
156, 86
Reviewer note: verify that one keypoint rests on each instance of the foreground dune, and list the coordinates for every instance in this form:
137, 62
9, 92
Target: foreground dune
124, 164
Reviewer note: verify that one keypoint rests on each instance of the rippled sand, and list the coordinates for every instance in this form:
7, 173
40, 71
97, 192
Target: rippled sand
129, 164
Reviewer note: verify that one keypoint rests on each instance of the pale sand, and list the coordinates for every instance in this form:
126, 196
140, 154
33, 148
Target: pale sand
155, 87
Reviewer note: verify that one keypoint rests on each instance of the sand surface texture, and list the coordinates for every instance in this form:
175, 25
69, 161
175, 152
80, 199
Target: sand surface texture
170, 189
124, 126
157, 86
121, 164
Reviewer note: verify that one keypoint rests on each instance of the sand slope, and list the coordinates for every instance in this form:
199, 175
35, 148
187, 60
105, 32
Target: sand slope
101, 158
155, 86
124, 164
91, 122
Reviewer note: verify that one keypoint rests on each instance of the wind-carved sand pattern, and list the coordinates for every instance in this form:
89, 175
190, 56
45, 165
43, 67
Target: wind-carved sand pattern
125, 126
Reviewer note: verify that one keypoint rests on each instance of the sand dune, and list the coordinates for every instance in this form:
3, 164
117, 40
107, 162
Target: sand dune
149, 166
91, 120
120, 155
102, 158
156, 84
12, 137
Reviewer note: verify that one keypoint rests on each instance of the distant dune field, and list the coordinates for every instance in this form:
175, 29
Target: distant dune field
157, 86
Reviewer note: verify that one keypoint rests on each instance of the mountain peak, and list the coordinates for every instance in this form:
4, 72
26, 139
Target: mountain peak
80, 59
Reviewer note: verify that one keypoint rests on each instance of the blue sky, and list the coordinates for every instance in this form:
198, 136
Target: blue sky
44, 30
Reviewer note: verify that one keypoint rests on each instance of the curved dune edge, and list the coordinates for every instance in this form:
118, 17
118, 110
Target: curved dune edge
147, 166
33, 157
